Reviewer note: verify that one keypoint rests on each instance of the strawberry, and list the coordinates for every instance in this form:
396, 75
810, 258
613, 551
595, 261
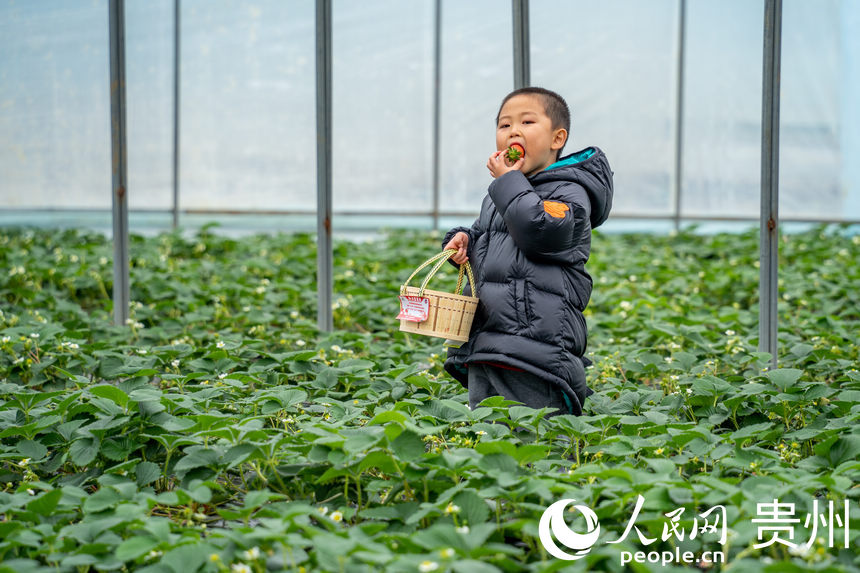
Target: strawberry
514, 152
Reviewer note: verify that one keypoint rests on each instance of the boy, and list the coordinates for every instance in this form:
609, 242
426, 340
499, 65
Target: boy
528, 249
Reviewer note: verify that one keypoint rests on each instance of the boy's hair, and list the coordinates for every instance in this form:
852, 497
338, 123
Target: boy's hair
554, 105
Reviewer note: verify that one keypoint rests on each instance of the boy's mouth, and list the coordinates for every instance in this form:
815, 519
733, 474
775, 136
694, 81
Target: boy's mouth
515, 151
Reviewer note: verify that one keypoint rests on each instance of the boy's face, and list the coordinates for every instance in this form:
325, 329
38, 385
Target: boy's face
523, 120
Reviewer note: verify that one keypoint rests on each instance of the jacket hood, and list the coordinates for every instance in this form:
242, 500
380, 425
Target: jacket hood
590, 169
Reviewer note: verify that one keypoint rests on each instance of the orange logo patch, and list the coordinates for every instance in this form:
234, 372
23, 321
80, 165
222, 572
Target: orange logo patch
555, 209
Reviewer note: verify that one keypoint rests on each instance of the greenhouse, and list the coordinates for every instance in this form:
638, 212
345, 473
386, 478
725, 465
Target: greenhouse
212, 212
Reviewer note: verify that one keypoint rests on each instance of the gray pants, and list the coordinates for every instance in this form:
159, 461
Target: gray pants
486, 381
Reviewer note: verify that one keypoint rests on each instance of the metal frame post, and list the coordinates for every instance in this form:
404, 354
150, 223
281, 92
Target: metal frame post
679, 112
522, 48
324, 196
116, 13
437, 83
769, 230
176, 87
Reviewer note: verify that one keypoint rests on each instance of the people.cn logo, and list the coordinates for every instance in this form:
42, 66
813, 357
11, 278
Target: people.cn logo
552, 523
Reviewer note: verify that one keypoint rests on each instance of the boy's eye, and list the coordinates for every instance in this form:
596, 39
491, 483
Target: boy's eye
503, 125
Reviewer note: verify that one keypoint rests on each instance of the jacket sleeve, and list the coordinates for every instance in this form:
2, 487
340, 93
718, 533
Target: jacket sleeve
475, 231
543, 230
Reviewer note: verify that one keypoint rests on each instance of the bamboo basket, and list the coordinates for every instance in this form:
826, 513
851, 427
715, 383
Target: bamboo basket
450, 315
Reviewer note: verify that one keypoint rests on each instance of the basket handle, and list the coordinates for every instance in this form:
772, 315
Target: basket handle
440, 259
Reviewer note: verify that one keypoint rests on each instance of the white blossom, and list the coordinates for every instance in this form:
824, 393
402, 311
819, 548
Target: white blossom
252, 554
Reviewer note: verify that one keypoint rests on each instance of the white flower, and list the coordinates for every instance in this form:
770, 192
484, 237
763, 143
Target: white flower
23, 463
336, 348
626, 305
103, 260
260, 289
689, 390
153, 554
730, 333
463, 530
668, 359
323, 510
446, 553
142, 352
31, 492
175, 363
252, 554
129, 321
451, 508
803, 550
220, 344
6, 339
222, 375
426, 566
34, 335
481, 433
138, 325
240, 568
349, 274
300, 342
674, 377
294, 314
336, 516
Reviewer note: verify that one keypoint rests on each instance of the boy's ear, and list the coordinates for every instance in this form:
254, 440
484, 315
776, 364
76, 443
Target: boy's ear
559, 138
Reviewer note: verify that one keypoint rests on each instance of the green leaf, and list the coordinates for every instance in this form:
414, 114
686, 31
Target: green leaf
146, 473
473, 508
751, 431
32, 449
134, 547
784, 378
846, 448
199, 457
710, 386
186, 558
473, 566
111, 393
83, 451
407, 446
102, 499
45, 503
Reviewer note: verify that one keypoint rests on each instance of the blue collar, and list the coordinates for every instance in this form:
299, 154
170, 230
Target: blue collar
572, 159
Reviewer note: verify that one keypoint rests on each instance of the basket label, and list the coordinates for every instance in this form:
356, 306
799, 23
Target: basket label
414, 308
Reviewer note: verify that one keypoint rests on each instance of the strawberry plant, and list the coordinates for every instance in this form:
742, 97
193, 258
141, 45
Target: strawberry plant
220, 431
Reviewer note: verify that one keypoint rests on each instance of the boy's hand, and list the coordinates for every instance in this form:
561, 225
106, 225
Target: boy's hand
499, 165
460, 241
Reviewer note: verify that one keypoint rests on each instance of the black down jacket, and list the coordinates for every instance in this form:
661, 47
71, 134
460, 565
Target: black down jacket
528, 250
